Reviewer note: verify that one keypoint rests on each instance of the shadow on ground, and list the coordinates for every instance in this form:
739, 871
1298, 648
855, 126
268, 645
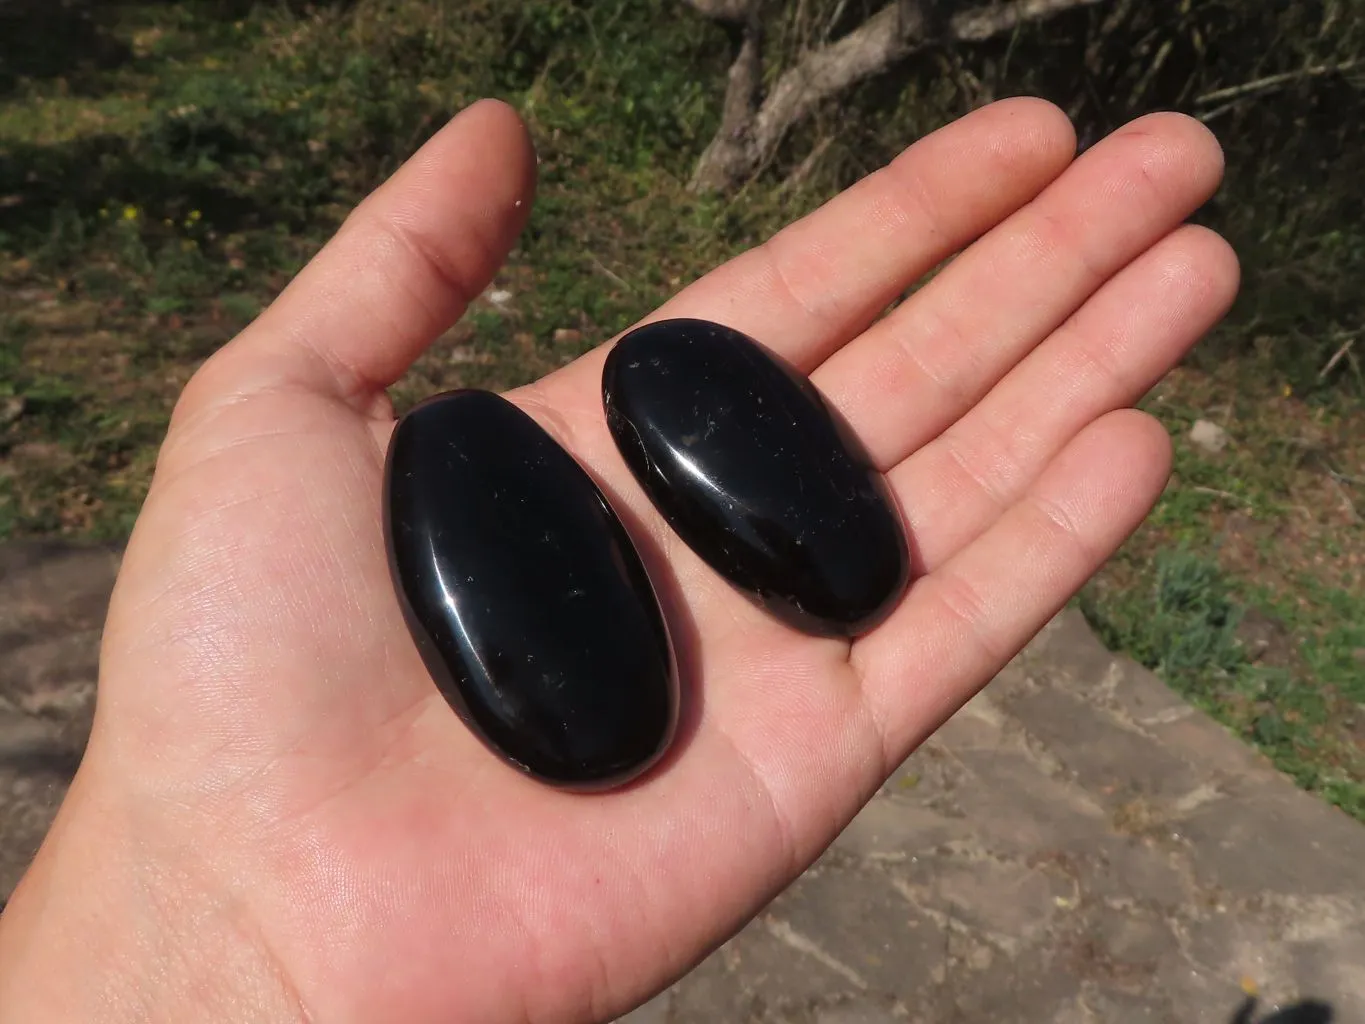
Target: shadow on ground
210, 162
43, 39
76, 40
1310, 1011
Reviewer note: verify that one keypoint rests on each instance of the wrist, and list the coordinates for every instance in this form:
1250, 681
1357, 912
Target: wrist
112, 924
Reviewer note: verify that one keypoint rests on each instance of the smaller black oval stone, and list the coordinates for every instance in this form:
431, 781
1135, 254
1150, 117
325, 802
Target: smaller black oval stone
755, 472
526, 598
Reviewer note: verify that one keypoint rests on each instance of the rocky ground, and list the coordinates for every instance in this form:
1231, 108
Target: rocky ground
1076, 845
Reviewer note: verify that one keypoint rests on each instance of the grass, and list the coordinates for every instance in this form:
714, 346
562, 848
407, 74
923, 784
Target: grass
164, 169
153, 205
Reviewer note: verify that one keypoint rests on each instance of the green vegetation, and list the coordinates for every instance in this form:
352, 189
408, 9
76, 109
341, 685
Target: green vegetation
155, 197
1205, 633
164, 169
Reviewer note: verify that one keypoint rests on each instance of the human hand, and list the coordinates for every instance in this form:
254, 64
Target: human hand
279, 818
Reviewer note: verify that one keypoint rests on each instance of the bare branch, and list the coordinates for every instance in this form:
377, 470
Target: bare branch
751, 132
608, 273
1118, 15
1153, 69
1340, 354
984, 22
807, 167
1273, 82
872, 47
731, 153
1222, 494
736, 11
833, 20
1347, 504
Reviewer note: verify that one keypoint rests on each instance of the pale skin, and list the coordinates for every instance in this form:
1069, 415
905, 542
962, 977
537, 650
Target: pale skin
279, 819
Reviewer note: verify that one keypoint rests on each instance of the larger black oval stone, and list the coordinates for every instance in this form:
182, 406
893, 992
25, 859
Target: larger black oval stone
756, 473
525, 595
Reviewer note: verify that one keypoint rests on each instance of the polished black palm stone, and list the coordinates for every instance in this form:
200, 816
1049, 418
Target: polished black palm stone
754, 471
527, 600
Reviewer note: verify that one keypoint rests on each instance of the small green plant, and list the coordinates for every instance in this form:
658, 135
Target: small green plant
1185, 628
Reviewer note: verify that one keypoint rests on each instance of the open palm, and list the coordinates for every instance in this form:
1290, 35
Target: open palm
290, 817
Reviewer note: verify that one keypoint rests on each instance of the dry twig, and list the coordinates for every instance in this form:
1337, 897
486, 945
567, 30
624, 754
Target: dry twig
1351, 511
1272, 82
1215, 492
608, 273
806, 168
723, 10
1337, 357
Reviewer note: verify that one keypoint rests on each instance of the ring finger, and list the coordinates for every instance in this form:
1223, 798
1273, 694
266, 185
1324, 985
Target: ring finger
919, 369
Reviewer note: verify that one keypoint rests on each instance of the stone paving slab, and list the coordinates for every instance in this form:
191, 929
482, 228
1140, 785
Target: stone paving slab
1076, 845
52, 603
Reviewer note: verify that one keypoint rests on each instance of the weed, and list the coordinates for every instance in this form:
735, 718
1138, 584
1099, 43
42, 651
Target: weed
1184, 626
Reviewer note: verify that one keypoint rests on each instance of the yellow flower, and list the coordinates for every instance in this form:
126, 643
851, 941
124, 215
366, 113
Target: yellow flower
195, 215
1286, 391
130, 213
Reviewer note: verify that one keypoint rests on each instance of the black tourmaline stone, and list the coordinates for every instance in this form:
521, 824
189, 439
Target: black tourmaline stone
746, 461
526, 598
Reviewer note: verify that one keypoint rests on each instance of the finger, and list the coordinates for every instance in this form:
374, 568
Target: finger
1116, 347
821, 280
403, 266
960, 625
922, 367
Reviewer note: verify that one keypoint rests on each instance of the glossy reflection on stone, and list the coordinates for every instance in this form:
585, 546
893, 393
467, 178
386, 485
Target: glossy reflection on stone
746, 461
527, 600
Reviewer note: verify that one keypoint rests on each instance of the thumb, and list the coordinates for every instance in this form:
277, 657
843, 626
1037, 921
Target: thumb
402, 269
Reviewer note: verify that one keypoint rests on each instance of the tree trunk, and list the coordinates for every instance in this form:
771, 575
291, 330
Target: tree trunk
753, 125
